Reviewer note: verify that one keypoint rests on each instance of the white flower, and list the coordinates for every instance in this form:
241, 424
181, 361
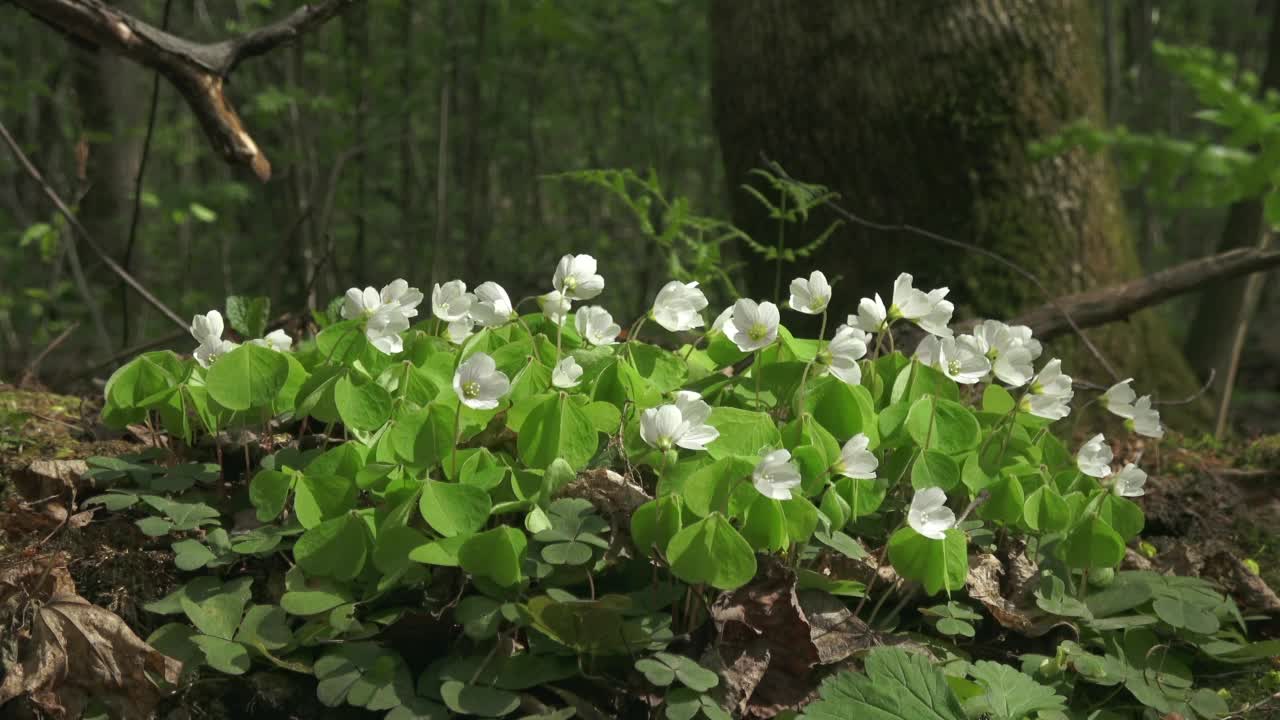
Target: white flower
678, 306
753, 326
492, 306
384, 328
810, 296
451, 302
1050, 393
277, 340
207, 330
928, 310
724, 317
1021, 335
555, 306
596, 326
1010, 350
1094, 458
775, 475
856, 461
929, 514
400, 294
1129, 481
959, 358
459, 330
576, 277
1146, 419
1119, 398
207, 354
841, 356
566, 373
479, 384
667, 426
1013, 367
388, 312
359, 303
693, 409
872, 316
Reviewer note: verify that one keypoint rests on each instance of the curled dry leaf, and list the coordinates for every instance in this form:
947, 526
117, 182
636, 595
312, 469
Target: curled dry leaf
76, 651
984, 585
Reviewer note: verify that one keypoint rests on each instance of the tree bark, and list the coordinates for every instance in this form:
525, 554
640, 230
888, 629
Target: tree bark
922, 112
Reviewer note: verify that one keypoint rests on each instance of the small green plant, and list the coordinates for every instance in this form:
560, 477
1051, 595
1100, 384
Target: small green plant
467, 460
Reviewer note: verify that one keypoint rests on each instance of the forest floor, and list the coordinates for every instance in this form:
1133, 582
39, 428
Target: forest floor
1212, 510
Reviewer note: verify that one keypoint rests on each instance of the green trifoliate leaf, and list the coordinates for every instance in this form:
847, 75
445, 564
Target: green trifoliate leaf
711, 551
944, 425
249, 315
336, 548
362, 406
936, 564
247, 377
557, 429
743, 433
454, 509
1093, 544
495, 554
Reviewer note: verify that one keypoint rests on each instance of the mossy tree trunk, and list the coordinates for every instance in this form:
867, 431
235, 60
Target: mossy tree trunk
921, 112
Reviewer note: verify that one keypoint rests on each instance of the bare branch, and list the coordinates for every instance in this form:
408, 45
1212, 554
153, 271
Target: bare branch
198, 71
49, 192
1117, 302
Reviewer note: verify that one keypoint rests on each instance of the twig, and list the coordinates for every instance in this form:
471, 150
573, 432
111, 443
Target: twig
928, 235
133, 350
1193, 396
84, 234
982, 496
137, 185
34, 366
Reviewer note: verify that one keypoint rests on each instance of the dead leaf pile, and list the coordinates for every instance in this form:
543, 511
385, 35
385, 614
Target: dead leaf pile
70, 651
774, 643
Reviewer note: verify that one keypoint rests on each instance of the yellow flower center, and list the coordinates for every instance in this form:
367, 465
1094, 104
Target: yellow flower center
758, 332
471, 389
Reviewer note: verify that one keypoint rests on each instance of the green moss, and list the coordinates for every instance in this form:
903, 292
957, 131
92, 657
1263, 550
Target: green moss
1264, 452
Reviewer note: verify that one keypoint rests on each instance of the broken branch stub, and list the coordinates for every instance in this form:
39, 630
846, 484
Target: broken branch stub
198, 71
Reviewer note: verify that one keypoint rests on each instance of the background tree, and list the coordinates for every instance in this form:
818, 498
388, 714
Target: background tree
923, 113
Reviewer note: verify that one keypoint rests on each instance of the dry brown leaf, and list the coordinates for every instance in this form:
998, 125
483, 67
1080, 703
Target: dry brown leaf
986, 572
609, 492
76, 651
52, 478
740, 671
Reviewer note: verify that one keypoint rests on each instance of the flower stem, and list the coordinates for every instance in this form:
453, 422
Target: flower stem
804, 377
532, 341
755, 372
457, 424
633, 336
559, 336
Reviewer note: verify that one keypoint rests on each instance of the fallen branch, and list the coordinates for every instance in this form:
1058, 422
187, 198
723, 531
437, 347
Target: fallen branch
198, 71
1117, 302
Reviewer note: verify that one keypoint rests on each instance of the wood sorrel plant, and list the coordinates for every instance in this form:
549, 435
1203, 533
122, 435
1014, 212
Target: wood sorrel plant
464, 436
